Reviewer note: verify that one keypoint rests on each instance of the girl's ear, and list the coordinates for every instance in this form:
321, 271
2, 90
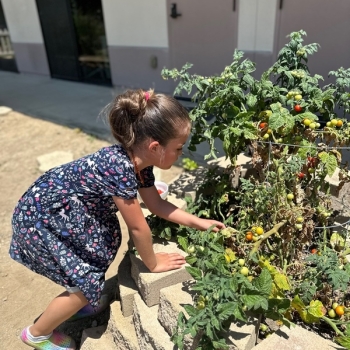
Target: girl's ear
153, 146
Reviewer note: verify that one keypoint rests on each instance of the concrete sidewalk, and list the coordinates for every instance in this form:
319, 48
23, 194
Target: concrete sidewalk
72, 104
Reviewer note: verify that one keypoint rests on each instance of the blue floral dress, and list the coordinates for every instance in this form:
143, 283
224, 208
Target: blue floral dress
65, 226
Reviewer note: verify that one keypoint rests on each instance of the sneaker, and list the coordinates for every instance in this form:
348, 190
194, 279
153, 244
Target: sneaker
88, 310
57, 341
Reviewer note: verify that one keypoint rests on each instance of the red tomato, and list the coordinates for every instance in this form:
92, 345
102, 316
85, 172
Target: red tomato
298, 108
160, 191
263, 125
301, 175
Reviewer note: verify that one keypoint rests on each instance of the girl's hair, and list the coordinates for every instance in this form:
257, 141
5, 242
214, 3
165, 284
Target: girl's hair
136, 116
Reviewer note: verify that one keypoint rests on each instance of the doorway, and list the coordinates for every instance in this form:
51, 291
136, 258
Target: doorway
75, 40
7, 55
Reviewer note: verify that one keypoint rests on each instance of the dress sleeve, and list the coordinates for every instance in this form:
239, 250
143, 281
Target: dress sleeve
116, 178
148, 177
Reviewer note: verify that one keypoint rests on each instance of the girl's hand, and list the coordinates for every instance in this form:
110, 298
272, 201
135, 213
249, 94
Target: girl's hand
204, 224
167, 262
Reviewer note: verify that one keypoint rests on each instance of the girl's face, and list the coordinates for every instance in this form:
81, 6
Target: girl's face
172, 151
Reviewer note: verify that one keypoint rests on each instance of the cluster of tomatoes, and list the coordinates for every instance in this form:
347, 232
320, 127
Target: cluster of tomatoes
336, 310
254, 234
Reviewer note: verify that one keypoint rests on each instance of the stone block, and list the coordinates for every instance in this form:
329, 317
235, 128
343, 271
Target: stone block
241, 336
150, 334
122, 329
97, 339
5, 110
127, 286
149, 284
172, 300
53, 159
187, 183
296, 338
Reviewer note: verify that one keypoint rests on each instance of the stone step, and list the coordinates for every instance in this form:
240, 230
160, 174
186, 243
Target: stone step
97, 338
150, 334
122, 329
149, 284
171, 304
296, 338
241, 336
127, 286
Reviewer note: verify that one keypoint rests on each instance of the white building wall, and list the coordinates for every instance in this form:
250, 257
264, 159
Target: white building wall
135, 23
256, 25
23, 21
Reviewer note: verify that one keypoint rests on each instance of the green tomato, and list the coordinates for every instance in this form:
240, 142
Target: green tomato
241, 262
244, 271
263, 327
191, 249
312, 126
331, 313
335, 305
200, 305
334, 122
298, 226
290, 196
300, 219
298, 97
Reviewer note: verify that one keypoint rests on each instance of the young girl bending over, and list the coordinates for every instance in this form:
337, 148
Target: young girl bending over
65, 226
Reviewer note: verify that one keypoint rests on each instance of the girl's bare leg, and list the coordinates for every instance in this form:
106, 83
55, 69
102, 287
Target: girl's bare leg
59, 310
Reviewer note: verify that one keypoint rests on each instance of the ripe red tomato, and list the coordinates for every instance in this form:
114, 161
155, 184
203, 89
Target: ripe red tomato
263, 125
160, 191
298, 108
301, 175
313, 251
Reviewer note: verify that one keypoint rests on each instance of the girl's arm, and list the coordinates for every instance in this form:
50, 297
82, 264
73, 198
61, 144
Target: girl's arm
142, 237
168, 211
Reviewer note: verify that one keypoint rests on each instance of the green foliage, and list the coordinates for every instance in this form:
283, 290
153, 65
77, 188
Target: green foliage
265, 262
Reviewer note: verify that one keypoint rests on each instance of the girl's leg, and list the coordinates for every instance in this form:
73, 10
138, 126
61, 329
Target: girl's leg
59, 310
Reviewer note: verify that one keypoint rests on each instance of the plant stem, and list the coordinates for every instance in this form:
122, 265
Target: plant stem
266, 235
330, 322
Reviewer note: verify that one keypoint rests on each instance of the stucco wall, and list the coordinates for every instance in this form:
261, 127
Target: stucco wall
137, 35
25, 31
136, 23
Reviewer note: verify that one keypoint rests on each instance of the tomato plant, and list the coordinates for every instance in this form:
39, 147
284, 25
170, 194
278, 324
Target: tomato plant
265, 262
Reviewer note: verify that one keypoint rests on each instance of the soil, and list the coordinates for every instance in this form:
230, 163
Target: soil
23, 294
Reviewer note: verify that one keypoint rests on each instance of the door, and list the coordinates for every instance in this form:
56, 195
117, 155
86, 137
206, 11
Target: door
91, 38
202, 32
75, 40
326, 23
59, 36
7, 55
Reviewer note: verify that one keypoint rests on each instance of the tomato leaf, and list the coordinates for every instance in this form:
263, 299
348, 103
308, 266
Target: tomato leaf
316, 308
194, 272
330, 162
254, 300
343, 341
263, 283
281, 281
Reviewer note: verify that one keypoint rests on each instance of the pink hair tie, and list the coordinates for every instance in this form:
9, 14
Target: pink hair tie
146, 96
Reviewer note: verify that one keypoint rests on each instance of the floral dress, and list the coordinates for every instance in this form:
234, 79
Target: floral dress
65, 226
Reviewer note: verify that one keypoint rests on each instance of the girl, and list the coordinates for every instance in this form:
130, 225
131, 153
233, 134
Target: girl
65, 226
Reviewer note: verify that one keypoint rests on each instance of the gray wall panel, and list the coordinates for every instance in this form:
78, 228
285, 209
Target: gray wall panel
31, 58
131, 67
